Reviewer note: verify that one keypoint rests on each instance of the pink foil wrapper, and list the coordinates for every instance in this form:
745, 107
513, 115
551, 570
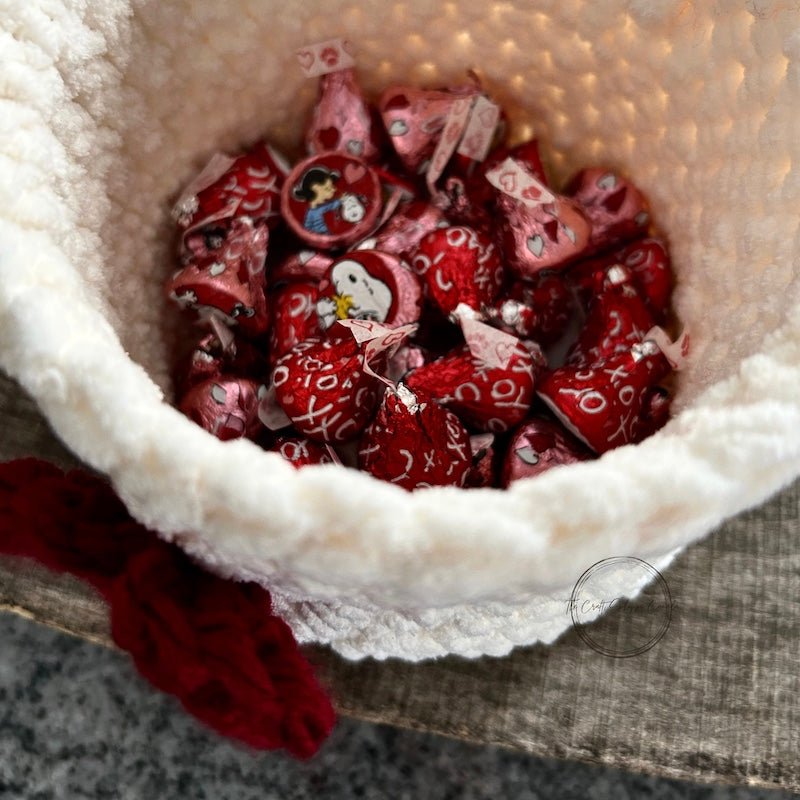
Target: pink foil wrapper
617, 210
415, 118
226, 286
210, 359
301, 265
537, 446
342, 119
404, 230
225, 407
407, 358
549, 236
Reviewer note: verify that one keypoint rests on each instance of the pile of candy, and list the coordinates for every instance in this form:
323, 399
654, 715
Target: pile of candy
415, 300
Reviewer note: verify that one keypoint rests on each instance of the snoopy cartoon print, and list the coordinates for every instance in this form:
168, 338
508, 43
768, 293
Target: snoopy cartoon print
352, 208
357, 295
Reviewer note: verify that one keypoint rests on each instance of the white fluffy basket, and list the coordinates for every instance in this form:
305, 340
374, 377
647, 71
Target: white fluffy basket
108, 106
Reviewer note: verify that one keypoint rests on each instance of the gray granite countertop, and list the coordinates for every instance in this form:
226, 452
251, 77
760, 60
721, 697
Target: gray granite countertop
77, 722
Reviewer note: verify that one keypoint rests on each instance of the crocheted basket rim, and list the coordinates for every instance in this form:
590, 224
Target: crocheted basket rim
637, 85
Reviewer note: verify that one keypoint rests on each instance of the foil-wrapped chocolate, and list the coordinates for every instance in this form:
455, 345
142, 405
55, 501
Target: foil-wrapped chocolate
414, 442
227, 407
370, 285
343, 120
331, 200
538, 445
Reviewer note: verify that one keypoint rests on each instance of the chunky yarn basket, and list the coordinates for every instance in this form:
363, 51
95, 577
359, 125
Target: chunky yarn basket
108, 107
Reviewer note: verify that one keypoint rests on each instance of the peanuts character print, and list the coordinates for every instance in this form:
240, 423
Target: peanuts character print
331, 200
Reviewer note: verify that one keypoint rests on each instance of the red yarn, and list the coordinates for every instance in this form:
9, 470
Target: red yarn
213, 643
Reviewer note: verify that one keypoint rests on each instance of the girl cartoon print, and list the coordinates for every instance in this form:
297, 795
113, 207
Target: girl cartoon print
317, 188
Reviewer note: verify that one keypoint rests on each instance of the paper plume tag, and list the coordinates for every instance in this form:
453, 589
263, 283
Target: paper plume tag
322, 58
515, 181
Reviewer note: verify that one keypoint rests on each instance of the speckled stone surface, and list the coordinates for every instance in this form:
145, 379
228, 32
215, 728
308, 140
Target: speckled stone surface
76, 722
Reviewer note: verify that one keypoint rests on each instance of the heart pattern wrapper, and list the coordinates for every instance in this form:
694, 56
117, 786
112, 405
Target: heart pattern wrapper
226, 407
537, 446
226, 286
415, 119
390, 295
211, 359
617, 210
406, 228
343, 120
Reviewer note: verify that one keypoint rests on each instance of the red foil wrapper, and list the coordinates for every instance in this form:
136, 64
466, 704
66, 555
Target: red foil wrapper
648, 260
369, 284
597, 276
540, 309
617, 319
617, 210
211, 360
331, 200
549, 236
486, 396
249, 187
294, 317
343, 121
539, 445
324, 389
226, 407
460, 267
227, 285
648, 263
655, 410
604, 405
482, 472
415, 443
405, 229
414, 119
301, 452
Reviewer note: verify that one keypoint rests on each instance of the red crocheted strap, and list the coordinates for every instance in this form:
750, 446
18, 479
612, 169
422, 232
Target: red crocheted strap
71, 522
213, 643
